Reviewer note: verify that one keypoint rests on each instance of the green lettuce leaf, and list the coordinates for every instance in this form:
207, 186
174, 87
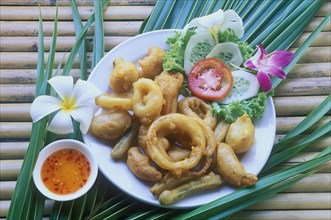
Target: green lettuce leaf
173, 60
229, 36
254, 107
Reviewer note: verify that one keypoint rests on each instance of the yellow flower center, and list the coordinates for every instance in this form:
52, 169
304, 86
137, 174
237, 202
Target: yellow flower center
68, 104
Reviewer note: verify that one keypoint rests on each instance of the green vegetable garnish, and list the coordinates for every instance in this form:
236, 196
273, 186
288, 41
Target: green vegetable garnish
229, 36
254, 107
173, 60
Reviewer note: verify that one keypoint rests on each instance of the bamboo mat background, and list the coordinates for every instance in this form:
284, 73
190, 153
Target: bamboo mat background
306, 87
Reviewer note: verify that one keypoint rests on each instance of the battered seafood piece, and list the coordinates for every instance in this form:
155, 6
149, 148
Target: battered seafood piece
123, 145
230, 168
142, 137
170, 84
177, 153
173, 123
124, 74
147, 100
140, 167
196, 107
112, 124
114, 101
220, 131
205, 182
151, 65
240, 135
169, 182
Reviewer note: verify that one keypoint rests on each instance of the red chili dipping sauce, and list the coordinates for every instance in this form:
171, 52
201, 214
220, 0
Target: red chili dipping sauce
65, 171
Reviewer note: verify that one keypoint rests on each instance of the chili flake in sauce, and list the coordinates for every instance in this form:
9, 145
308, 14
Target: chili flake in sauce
65, 171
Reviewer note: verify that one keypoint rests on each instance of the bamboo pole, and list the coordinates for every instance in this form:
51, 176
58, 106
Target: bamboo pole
304, 86
30, 44
65, 43
15, 130
15, 112
14, 93
27, 76
4, 207
23, 13
10, 169
295, 201
310, 70
13, 150
17, 93
323, 39
317, 146
294, 106
117, 28
315, 55
28, 60
283, 215
79, 2
285, 124
66, 28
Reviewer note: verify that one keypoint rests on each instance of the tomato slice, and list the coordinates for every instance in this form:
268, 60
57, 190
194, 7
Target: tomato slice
210, 79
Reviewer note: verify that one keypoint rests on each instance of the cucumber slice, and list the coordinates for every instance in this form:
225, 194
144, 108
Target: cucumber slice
197, 49
227, 52
245, 86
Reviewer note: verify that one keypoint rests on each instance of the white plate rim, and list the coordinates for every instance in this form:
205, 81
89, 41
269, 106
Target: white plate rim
185, 202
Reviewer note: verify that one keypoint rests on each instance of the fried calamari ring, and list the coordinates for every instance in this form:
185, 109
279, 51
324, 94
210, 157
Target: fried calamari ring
173, 123
210, 149
195, 107
147, 100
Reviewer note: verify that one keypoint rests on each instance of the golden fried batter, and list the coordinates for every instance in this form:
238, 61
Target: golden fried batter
151, 65
123, 75
140, 167
240, 135
230, 168
170, 84
196, 107
147, 100
112, 124
220, 131
205, 182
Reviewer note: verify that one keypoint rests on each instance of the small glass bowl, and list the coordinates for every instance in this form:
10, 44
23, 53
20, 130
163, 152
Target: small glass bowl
59, 145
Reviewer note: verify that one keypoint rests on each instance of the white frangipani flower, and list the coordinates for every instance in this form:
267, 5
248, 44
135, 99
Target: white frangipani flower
75, 102
219, 20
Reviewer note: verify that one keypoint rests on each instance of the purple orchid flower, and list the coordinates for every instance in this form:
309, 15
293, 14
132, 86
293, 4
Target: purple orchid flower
269, 64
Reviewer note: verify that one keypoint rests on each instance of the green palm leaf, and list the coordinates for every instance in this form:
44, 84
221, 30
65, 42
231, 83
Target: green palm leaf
82, 50
22, 200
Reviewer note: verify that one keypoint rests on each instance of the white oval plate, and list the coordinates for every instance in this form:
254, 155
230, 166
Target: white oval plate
118, 172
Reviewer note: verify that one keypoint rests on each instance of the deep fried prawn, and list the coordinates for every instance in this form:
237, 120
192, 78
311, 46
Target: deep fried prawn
151, 65
123, 75
140, 167
170, 84
230, 168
